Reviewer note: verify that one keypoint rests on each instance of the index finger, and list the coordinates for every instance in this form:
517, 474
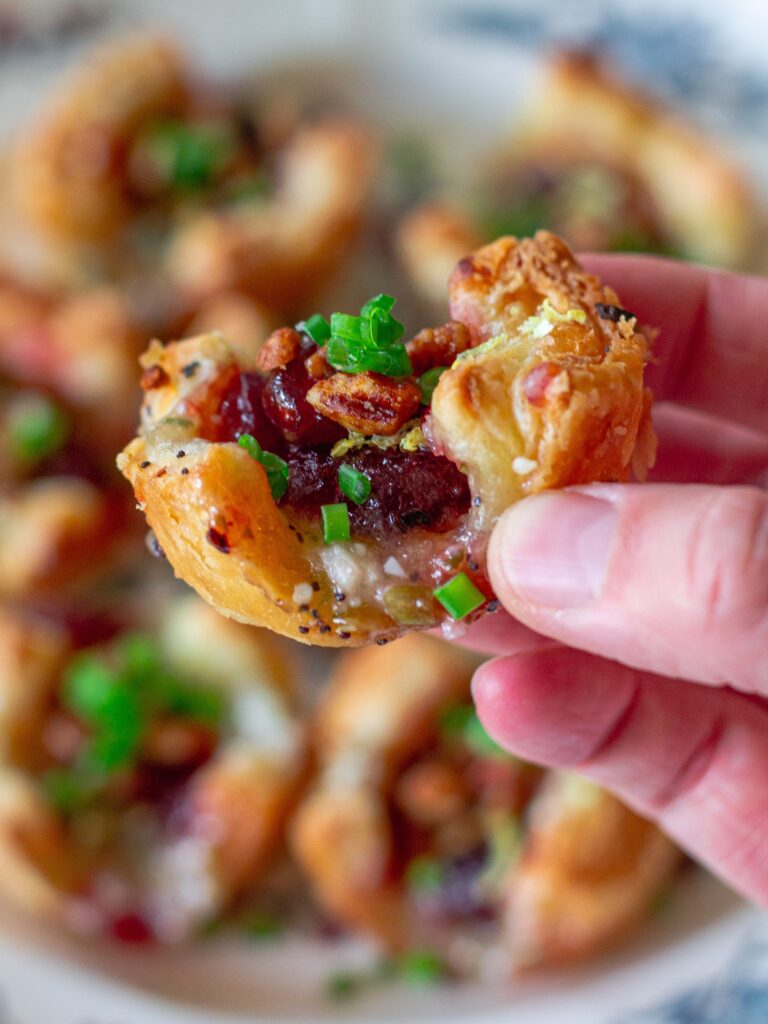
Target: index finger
712, 349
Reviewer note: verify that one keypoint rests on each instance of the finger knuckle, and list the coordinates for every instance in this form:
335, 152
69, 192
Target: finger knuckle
727, 564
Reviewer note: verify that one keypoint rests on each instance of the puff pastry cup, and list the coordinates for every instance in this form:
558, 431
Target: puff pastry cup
136, 168
156, 845
421, 833
544, 389
604, 166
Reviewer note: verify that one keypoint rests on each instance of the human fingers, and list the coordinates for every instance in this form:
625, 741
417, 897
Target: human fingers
693, 758
697, 448
712, 349
671, 579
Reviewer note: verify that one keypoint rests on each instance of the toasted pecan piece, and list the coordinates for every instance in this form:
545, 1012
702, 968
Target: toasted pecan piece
279, 349
438, 346
366, 402
317, 366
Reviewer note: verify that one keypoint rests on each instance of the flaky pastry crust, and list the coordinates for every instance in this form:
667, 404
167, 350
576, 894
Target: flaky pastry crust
702, 201
72, 205
589, 872
586, 869
523, 410
236, 804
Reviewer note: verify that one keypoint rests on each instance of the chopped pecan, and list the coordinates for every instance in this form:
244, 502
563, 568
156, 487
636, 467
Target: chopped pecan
366, 402
318, 366
154, 377
431, 791
282, 346
438, 346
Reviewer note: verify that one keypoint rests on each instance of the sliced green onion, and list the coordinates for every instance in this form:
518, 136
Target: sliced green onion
188, 155
354, 484
335, 522
253, 188
111, 706
463, 724
459, 596
347, 327
317, 327
381, 301
394, 362
278, 471
424, 874
343, 986
421, 967
36, 428
65, 790
428, 382
369, 342
261, 925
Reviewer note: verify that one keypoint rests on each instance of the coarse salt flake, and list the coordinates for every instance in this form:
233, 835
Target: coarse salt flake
523, 466
302, 593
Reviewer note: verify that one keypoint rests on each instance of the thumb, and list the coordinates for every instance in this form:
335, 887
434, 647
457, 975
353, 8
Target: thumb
671, 579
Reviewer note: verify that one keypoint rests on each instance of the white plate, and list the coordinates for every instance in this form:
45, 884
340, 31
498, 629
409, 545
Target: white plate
461, 65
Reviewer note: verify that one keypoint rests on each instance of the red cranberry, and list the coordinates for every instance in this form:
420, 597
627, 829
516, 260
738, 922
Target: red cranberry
242, 412
285, 402
408, 489
131, 928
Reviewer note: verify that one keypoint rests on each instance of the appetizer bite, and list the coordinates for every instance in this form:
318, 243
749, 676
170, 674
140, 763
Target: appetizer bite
341, 489
144, 781
605, 167
138, 168
422, 833
81, 349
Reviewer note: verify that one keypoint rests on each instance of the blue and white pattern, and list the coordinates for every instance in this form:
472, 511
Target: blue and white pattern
681, 53
737, 995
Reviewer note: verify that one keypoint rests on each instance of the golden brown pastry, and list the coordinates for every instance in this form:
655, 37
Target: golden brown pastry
423, 834
603, 166
82, 348
137, 170
590, 870
145, 781
543, 387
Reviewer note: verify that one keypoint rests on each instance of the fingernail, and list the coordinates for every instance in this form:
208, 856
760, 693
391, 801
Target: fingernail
552, 549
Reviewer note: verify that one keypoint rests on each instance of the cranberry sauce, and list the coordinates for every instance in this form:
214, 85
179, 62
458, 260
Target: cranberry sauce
408, 489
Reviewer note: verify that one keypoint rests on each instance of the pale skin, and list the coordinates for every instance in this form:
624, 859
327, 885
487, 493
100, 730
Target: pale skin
634, 646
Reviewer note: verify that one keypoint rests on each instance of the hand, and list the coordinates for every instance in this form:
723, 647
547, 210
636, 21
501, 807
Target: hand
642, 658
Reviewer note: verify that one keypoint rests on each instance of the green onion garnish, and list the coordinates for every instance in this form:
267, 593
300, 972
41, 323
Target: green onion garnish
421, 967
425, 874
343, 985
459, 596
117, 693
261, 925
278, 471
462, 723
335, 522
354, 484
369, 342
37, 428
187, 155
317, 327
428, 382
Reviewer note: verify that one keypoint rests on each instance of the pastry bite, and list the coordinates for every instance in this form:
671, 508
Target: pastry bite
421, 833
341, 490
603, 166
138, 168
79, 348
58, 534
144, 781
589, 872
